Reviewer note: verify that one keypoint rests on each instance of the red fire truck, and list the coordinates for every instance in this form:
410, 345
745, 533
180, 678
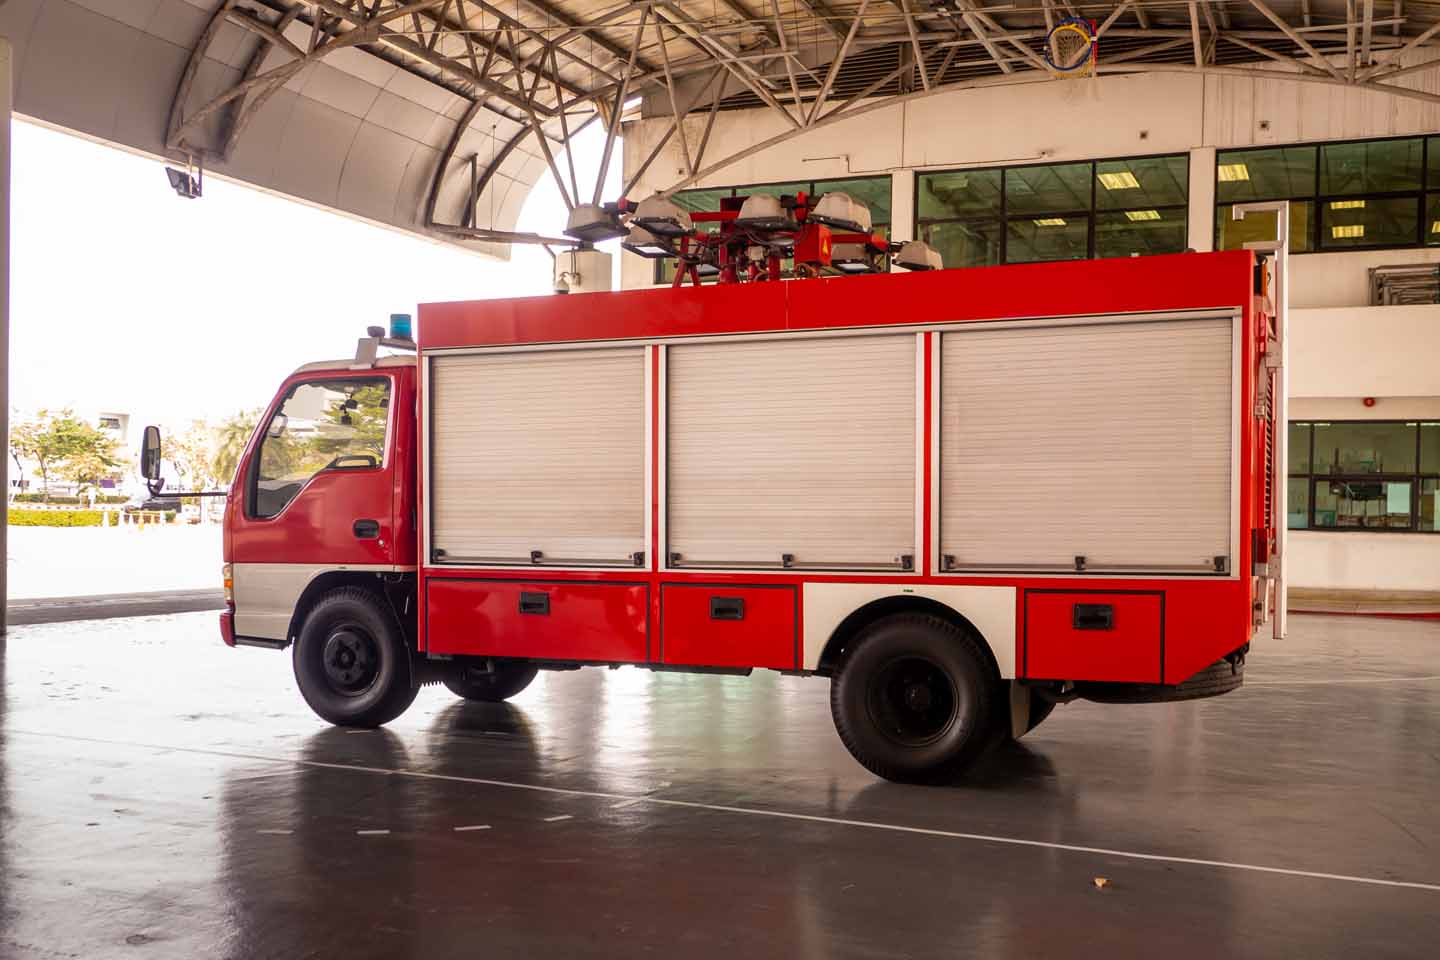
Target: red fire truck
961, 496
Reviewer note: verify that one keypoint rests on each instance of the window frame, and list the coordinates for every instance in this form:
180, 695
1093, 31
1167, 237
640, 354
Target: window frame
1002, 219
1319, 201
262, 433
1415, 478
658, 272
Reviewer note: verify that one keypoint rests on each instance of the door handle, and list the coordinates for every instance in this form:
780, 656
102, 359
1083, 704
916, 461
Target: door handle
536, 603
727, 608
367, 529
1093, 616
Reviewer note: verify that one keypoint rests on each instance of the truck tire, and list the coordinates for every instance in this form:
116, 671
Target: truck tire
914, 699
502, 683
1220, 677
352, 662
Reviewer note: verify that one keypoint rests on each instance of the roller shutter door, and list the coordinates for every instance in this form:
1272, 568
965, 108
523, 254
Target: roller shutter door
795, 447
1108, 441
539, 451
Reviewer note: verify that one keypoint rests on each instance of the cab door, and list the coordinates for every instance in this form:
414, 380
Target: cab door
315, 492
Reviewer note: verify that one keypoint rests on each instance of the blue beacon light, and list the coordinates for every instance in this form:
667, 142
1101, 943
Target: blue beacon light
400, 328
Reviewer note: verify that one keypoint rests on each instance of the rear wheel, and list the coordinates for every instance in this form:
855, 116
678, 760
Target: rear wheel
914, 699
351, 660
501, 683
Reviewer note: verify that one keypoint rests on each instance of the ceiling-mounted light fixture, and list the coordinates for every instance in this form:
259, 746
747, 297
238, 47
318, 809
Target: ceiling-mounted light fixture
1233, 172
1119, 180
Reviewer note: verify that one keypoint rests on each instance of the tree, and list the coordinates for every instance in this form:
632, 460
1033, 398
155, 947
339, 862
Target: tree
96, 457
192, 453
229, 442
51, 439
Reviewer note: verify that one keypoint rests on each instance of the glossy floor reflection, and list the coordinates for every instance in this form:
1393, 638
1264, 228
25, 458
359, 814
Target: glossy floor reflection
163, 796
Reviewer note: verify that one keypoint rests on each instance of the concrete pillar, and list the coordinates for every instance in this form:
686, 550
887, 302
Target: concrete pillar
5, 79
1202, 199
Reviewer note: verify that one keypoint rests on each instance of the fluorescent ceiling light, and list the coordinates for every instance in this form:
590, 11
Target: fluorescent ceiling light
1231, 172
1347, 230
1122, 180
1137, 215
1347, 204
1435, 227
1050, 222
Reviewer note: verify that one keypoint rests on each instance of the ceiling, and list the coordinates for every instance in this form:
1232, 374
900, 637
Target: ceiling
438, 116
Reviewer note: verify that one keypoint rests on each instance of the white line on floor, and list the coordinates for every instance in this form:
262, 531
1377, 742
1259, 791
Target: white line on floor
276, 833
1327, 683
628, 803
478, 826
754, 812
372, 833
563, 816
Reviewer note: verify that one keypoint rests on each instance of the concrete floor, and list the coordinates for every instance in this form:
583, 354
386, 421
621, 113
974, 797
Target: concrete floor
163, 796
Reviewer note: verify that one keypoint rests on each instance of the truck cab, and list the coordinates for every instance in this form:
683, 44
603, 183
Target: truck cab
323, 498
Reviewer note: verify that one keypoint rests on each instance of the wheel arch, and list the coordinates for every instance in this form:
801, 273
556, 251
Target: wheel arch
866, 614
393, 589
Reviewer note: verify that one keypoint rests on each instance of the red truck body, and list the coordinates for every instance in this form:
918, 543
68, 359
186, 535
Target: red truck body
1089, 627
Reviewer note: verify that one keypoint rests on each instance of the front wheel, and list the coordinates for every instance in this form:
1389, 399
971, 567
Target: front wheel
352, 662
914, 698
501, 683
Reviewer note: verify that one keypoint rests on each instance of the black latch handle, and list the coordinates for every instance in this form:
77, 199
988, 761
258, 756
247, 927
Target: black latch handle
1093, 616
727, 608
536, 603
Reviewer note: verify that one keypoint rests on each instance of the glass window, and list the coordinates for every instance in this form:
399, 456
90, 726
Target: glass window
963, 193
1430, 448
1050, 189
1429, 512
1133, 233
1368, 222
1232, 234
1297, 503
1046, 238
1367, 504
1299, 447
1374, 166
1432, 217
965, 243
1283, 173
1142, 182
322, 425
1368, 447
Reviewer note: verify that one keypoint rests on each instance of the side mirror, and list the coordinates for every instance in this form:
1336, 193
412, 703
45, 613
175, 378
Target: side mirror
150, 459
277, 426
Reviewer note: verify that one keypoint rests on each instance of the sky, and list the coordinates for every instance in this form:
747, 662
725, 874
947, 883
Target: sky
127, 298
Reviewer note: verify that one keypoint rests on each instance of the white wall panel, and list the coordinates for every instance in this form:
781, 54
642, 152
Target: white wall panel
803, 446
1109, 441
538, 451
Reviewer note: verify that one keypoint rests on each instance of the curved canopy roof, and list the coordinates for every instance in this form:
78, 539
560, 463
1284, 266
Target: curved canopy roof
437, 116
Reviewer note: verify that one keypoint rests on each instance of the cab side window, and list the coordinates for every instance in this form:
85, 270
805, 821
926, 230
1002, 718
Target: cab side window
322, 425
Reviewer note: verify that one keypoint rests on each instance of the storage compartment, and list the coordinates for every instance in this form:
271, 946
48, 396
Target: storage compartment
1094, 635
538, 457
1098, 445
724, 626
792, 453
603, 622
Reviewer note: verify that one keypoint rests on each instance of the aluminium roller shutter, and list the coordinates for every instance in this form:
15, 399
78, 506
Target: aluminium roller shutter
538, 451
1108, 441
803, 447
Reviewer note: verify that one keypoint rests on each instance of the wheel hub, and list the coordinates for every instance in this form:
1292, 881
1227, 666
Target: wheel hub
351, 663
913, 701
